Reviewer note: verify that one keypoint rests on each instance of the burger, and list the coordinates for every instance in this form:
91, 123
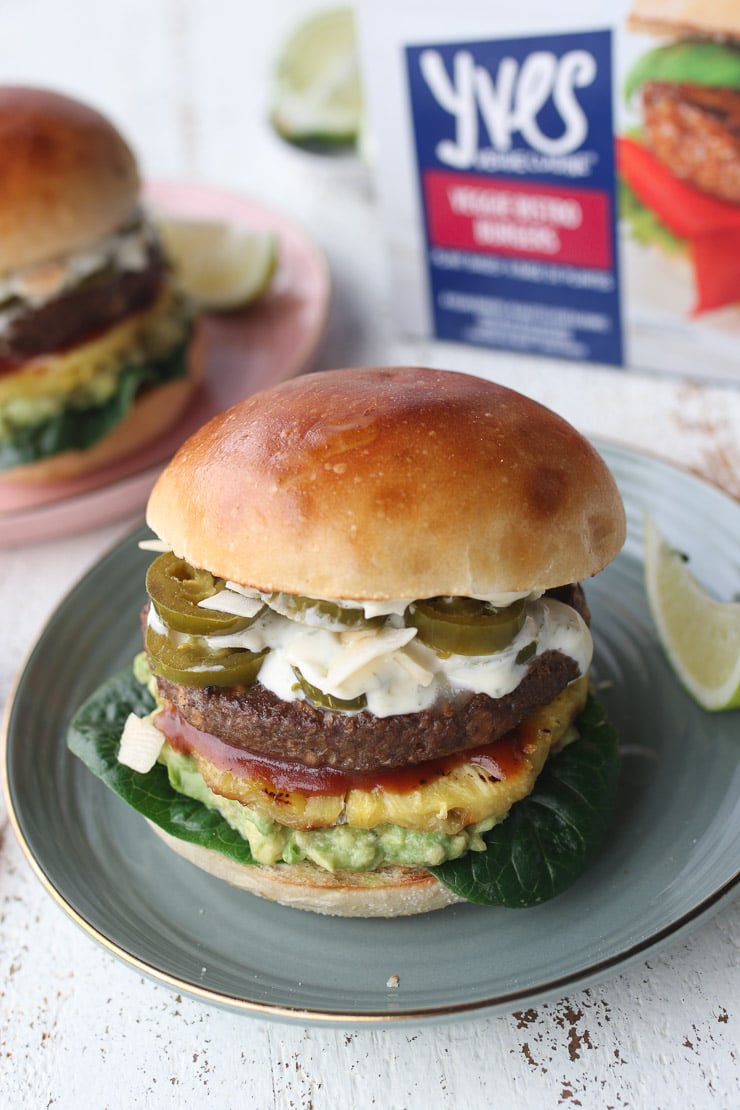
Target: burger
680, 171
364, 688
95, 340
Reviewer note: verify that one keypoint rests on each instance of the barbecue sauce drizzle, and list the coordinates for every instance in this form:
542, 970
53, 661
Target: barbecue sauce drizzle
500, 759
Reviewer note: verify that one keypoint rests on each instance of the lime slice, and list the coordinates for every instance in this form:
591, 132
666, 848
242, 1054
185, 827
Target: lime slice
700, 635
317, 94
222, 266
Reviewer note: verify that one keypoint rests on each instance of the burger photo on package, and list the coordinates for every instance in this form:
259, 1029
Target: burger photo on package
96, 352
679, 168
364, 684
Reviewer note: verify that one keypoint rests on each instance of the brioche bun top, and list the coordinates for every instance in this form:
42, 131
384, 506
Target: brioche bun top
390, 483
68, 177
718, 20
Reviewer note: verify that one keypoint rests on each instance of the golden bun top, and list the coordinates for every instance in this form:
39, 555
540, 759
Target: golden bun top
68, 177
707, 19
390, 483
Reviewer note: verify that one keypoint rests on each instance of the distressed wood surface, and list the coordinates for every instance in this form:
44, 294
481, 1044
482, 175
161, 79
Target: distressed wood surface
187, 82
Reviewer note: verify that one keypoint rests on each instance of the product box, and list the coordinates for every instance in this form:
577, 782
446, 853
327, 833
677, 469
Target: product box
562, 180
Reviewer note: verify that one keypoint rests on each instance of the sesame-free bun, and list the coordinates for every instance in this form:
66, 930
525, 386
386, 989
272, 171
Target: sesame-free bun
68, 177
390, 483
719, 19
391, 891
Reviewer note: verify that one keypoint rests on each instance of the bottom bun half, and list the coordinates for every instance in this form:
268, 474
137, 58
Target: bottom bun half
386, 892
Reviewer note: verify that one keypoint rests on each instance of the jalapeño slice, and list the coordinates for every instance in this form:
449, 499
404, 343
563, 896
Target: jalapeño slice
464, 625
194, 664
321, 700
176, 587
319, 612
527, 652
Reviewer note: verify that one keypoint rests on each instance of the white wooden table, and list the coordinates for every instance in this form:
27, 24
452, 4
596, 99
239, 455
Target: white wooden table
187, 82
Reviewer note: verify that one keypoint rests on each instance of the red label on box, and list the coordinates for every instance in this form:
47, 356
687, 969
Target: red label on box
500, 216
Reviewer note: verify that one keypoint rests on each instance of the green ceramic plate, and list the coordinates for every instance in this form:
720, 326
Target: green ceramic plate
671, 861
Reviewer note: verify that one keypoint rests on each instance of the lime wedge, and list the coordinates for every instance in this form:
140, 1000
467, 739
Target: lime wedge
700, 635
221, 266
317, 94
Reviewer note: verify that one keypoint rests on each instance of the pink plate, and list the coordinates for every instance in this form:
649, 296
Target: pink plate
274, 339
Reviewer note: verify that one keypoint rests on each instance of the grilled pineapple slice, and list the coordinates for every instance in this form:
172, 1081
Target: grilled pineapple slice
464, 796
287, 807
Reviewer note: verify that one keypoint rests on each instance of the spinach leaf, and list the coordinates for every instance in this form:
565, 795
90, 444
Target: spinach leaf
94, 736
76, 427
548, 838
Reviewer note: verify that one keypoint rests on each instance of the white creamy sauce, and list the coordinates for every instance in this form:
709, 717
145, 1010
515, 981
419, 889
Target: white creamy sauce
388, 664
396, 607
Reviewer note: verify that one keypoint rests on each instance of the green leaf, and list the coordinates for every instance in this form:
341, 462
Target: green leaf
80, 427
548, 838
94, 737
714, 64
